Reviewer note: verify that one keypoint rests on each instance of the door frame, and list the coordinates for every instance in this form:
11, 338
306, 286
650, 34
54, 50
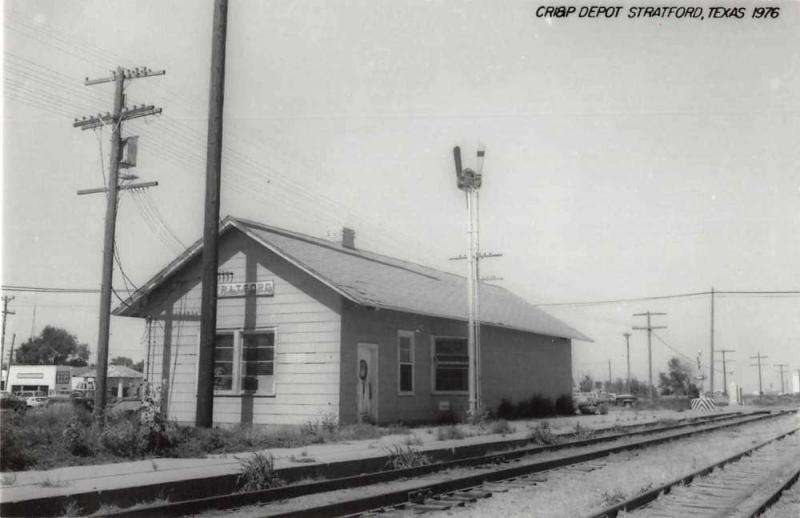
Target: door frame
374, 354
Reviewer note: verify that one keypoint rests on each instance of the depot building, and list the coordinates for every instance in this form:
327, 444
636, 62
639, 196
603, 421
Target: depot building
310, 328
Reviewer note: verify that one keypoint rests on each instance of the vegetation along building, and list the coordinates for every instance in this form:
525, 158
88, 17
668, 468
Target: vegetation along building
309, 328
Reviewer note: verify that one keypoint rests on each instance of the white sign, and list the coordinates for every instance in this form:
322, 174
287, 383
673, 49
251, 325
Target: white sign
30, 375
240, 289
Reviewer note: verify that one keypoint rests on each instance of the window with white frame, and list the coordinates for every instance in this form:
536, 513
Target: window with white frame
450, 365
405, 362
244, 362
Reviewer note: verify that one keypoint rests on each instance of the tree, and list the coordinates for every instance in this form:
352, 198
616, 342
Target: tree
122, 360
586, 384
678, 381
53, 346
138, 366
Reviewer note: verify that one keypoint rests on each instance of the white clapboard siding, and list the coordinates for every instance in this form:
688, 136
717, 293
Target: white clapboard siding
304, 314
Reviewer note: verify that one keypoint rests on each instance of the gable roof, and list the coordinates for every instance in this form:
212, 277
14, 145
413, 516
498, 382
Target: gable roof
375, 280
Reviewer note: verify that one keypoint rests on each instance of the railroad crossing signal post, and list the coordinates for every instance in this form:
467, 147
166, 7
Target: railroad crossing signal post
115, 119
469, 181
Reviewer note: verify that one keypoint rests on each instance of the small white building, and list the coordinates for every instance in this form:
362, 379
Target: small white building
121, 381
50, 379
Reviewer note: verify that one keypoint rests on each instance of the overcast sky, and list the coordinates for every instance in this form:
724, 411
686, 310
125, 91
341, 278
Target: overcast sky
625, 158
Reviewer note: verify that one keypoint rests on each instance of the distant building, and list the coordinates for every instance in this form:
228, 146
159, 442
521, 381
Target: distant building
121, 381
308, 328
50, 379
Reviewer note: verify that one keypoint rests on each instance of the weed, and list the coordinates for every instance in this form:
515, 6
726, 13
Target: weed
612, 497
154, 464
603, 409
412, 440
446, 433
73, 509
542, 434
301, 459
405, 457
582, 433
258, 472
478, 418
49, 482
8, 479
396, 429
501, 427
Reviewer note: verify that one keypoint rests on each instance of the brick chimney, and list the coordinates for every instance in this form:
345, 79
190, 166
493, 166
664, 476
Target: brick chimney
348, 238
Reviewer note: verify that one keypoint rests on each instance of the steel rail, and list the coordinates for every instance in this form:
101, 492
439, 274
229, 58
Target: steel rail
363, 504
645, 498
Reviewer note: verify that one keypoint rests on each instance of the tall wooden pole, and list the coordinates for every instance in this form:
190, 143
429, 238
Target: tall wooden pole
108, 251
628, 358
208, 310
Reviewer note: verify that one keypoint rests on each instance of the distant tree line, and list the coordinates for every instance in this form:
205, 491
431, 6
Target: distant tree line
56, 346
677, 381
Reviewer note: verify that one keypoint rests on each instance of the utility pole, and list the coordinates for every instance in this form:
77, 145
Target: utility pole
649, 328
469, 181
781, 366
628, 357
204, 410
120, 114
711, 357
609, 373
6, 312
758, 357
724, 370
10, 362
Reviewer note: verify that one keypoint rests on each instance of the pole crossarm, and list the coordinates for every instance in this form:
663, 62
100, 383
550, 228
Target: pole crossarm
128, 73
120, 113
127, 187
99, 120
483, 255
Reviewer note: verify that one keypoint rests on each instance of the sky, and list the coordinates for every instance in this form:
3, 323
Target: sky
626, 158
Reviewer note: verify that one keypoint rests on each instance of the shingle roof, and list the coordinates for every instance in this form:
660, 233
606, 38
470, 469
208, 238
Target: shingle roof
375, 280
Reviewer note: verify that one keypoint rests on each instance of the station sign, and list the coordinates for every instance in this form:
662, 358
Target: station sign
241, 289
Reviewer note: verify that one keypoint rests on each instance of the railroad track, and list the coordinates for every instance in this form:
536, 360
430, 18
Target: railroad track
444, 491
746, 485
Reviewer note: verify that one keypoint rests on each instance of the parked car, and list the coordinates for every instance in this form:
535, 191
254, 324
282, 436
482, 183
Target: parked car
626, 399
35, 401
585, 402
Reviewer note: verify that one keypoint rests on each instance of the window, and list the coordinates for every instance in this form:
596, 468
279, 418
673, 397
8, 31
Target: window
244, 361
450, 365
258, 359
223, 362
405, 362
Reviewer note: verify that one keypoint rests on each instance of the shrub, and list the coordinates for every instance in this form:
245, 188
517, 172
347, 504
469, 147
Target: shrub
446, 417
505, 410
445, 433
258, 472
603, 408
408, 457
75, 438
542, 406
121, 439
13, 452
565, 405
